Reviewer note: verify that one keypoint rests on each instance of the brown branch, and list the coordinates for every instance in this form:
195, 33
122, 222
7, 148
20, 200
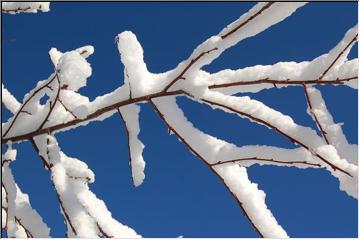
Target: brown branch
93, 115
308, 98
338, 56
49, 166
28, 233
192, 62
279, 131
283, 82
52, 105
323, 133
103, 232
248, 20
265, 160
25, 103
67, 109
129, 147
198, 155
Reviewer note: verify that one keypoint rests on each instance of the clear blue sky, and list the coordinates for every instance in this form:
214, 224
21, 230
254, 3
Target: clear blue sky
180, 196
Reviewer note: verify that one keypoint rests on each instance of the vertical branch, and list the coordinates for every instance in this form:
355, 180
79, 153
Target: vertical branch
128, 140
49, 166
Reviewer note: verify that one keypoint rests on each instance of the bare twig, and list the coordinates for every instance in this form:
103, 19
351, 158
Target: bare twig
66, 108
323, 133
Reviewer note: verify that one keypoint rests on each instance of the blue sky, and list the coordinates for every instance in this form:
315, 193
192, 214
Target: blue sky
180, 196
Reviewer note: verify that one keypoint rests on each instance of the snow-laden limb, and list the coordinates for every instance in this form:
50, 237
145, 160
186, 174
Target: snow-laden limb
252, 199
283, 74
332, 68
130, 116
20, 220
85, 215
205, 147
31, 112
262, 16
303, 136
10, 102
332, 130
24, 7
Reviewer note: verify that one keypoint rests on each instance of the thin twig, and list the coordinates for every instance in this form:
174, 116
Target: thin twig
66, 108
192, 62
52, 105
25, 103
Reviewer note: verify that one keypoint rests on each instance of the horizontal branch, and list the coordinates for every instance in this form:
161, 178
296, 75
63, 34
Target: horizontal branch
115, 106
283, 82
266, 160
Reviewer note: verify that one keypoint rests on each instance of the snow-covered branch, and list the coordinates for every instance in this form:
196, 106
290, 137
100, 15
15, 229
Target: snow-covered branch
24, 7
19, 219
87, 216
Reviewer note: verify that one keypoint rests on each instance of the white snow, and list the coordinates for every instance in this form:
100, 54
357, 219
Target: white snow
28, 7
71, 177
130, 115
18, 205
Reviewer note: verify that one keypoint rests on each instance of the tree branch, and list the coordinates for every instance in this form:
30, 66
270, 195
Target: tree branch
283, 82
198, 155
266, 160
28, 233
293, 140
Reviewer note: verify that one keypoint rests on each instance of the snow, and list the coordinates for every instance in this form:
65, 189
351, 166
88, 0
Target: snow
252, 199
9, 100
18, 205
130, 115
81, 209
234, 176
28, 7
88, 216
73, 70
